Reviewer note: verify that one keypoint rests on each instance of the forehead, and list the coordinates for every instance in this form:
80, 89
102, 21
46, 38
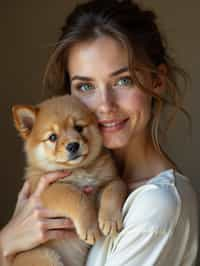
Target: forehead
102, 55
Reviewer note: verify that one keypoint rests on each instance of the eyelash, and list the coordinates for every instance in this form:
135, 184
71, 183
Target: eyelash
78, 86
127, 78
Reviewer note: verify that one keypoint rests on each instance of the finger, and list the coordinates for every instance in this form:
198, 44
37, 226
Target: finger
48, 179
25, 191
47, 213
60, 234
60, 223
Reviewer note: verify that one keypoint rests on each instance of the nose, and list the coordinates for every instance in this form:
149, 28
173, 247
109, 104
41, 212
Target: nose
106, 102
73, 147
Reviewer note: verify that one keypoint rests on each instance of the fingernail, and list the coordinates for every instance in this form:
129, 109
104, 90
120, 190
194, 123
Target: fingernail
66, 172
68, 223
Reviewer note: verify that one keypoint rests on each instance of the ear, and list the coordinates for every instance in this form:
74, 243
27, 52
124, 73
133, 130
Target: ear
160, 80
24, 117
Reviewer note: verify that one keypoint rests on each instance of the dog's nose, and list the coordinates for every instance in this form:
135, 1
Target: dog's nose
73, 147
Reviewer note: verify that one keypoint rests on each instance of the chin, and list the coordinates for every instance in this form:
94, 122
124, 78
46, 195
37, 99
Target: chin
118, 139
115, 144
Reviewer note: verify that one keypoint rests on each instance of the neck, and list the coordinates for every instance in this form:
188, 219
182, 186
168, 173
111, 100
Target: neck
139, 160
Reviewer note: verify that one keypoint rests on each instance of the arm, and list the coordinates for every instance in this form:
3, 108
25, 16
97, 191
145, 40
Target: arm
140, 246
149, 236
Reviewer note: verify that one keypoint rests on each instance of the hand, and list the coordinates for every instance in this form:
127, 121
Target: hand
32, 224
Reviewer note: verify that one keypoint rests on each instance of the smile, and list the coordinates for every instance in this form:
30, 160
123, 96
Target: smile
111, 126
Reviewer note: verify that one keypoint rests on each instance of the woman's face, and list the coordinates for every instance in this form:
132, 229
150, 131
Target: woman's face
100, 78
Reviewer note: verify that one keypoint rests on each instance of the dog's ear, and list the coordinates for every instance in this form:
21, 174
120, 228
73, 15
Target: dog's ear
24, 117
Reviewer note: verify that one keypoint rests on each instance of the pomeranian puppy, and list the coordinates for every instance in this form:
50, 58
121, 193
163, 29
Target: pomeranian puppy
62, 134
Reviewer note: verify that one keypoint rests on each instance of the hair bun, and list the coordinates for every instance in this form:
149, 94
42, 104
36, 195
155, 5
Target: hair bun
150, 15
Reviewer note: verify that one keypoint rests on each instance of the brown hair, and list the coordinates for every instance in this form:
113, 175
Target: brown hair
137, 30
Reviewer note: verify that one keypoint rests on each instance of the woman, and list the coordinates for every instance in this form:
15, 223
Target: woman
112, 57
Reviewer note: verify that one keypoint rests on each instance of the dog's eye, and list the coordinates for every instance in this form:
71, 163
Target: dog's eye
53, 137
79, 128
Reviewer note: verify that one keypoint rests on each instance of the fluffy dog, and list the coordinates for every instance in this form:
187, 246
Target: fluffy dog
59, 134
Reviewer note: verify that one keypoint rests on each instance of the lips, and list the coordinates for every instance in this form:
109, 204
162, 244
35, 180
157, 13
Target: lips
112, 125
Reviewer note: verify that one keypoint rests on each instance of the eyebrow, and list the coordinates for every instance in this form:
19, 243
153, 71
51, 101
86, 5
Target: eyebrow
115, 73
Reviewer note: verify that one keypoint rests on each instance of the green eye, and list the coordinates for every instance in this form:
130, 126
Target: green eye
85, 87
126, 81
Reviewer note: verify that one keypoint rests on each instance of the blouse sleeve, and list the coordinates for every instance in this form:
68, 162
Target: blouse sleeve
148, 238
139, 248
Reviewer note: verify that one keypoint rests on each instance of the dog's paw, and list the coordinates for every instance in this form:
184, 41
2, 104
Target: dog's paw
92, 236
89, 235
110, 224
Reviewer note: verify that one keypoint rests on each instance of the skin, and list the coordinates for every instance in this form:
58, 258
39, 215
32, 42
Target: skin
100, 78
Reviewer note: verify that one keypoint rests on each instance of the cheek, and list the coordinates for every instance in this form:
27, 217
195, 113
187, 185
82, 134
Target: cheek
42, 151
136, 101
91, 101
43, 156
44, 159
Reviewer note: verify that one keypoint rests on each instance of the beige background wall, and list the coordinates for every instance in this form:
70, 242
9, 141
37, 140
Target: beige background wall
27, 31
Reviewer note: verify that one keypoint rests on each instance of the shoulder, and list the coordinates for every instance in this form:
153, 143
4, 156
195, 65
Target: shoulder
156, 204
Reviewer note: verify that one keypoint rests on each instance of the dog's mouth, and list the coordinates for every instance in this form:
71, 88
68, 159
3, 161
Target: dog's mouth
73, 159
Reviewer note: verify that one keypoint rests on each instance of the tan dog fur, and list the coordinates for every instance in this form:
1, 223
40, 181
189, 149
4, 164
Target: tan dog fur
72, 122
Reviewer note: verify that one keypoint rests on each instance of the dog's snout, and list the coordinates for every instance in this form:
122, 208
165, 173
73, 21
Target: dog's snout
73, 147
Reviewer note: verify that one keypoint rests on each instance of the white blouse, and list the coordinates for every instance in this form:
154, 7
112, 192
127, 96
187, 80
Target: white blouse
160, 226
